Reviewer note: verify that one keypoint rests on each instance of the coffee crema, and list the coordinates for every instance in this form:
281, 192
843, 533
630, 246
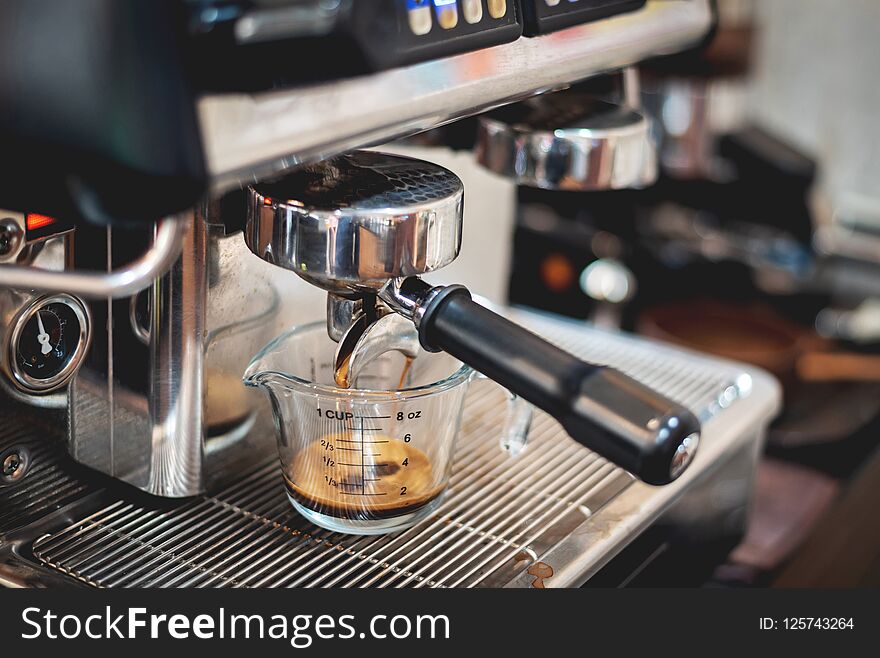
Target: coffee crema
362, 479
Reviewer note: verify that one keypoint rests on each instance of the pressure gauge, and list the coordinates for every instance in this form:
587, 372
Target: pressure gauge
48, 342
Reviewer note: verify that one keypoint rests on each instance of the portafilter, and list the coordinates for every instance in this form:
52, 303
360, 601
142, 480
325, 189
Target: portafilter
364, 225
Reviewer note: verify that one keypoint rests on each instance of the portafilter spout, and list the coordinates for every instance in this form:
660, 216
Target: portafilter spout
363, 226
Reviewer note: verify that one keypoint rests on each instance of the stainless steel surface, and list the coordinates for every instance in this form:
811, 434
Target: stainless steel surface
119, 283
410, 297
557, 504
630, 87
177, 371
352, 222
188, 418
341, 313
44, 485
141, 332
568, 141
248, 137
684, 128
162, 426
13, 303
14, 465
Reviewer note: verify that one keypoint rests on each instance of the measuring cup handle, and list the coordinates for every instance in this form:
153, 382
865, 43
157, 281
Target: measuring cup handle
517, 422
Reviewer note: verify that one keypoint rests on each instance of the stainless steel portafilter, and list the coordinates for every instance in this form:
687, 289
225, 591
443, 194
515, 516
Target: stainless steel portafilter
568, 141
363, 226
351, 223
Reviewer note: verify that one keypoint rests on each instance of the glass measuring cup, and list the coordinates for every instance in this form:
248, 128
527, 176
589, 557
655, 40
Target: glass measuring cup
376, 457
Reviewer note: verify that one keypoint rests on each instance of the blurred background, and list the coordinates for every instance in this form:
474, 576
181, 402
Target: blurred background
760, 243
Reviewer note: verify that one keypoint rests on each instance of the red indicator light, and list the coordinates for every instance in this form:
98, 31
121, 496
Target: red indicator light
34, 221
557, 273
267, 201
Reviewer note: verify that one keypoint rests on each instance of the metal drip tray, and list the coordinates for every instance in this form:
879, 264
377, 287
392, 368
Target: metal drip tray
35, 439
248, 534
557, 504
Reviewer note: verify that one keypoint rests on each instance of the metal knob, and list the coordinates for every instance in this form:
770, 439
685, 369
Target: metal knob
568, 141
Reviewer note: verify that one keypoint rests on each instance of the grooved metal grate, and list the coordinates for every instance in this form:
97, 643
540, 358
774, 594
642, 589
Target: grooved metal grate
49, 483
498, 511
365, 180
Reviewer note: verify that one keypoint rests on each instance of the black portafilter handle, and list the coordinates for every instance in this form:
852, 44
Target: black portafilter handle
605, 410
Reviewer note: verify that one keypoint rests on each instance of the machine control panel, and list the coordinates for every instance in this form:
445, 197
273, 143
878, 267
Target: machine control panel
543, 16
266, 43
259, 44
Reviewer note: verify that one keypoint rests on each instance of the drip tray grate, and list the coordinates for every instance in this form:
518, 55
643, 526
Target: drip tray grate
38, 436
498, 511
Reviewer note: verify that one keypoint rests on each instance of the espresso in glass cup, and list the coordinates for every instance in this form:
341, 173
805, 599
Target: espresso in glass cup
375, 457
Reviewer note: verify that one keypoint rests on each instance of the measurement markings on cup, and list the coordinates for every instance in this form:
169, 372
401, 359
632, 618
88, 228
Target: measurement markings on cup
363, 462
354, 439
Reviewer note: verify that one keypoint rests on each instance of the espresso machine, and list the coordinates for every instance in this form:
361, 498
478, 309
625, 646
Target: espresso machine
130, 335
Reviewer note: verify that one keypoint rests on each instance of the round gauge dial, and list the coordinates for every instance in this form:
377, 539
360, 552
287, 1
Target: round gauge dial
49, 342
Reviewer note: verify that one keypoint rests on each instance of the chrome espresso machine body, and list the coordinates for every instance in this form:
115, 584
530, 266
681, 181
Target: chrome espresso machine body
132, 337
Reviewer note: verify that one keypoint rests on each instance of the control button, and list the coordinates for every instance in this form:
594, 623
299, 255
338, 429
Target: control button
497, 8
419, 16
472, 10
11, 237
447, 13
552, 3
